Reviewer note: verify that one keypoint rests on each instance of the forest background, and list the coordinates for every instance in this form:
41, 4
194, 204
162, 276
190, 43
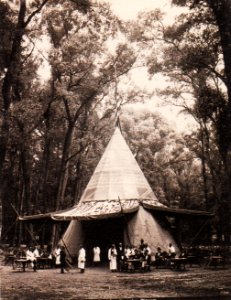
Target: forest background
54, 130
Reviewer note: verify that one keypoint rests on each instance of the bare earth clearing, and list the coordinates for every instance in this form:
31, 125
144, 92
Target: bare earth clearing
100, 283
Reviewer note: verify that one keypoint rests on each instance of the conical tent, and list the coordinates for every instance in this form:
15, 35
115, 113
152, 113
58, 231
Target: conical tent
112, 207
118, 175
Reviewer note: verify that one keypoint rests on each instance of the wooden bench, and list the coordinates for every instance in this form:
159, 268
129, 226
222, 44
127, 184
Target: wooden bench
20, 263
215, 261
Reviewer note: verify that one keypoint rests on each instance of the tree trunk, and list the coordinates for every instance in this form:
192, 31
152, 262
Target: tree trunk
9, 79
77, 181
64, 168
222, 12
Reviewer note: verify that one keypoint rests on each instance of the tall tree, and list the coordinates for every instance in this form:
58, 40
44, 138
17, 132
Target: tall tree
191, 57
17, 19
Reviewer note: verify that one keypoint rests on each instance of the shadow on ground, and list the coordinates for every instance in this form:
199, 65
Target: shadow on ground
100, 283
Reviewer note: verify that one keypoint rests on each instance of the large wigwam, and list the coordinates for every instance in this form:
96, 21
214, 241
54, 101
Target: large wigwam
112, 207
118, 205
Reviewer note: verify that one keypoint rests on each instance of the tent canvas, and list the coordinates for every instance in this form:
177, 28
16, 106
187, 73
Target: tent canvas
112, 209
117, 205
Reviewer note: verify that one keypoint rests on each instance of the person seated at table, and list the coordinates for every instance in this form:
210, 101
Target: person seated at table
183, 253
31, 258
171, 251
142, 245
11, 251
15, 251
131, 254
136, 260
138, 254
44, 252
20, 253
147, 255
127, 252
36, 252
160, 258
132, 251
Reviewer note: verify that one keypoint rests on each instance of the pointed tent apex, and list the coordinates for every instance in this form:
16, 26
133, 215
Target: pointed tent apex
118, 175
117, 124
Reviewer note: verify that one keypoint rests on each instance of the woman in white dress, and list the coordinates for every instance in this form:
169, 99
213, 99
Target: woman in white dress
112, 256
81, 259
31, 258
57, 256
96, 255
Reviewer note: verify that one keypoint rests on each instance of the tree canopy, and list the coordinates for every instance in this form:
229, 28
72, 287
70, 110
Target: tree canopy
53, 131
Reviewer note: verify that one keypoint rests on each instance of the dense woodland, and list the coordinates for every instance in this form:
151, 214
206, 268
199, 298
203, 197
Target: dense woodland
54, 131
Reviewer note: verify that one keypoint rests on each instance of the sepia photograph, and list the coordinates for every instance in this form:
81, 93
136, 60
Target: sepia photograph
115, 149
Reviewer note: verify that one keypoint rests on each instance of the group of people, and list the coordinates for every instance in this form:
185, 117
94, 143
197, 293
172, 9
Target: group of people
61, 260
164, 257
30, 254
119, 257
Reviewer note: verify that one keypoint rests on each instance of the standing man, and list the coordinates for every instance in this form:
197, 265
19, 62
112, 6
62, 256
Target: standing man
112, 257
81, 259
62, 259
96, 255
120, 256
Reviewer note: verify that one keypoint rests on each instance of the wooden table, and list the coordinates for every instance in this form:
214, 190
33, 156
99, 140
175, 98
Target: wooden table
178, 263
44, 262
134, 264
194, 260
215, 261
9, 259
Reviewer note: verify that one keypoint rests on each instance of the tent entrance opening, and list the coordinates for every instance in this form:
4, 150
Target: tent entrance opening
102, 233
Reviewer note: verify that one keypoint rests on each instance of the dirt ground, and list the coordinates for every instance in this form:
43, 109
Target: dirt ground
100, 283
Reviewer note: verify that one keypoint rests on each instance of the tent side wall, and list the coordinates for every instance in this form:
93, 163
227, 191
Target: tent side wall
73, 238
143, 225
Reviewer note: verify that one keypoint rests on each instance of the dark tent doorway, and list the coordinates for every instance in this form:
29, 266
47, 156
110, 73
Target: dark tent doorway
102, 233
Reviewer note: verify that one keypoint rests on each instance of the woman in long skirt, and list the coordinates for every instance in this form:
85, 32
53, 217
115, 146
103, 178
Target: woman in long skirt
96, 255
112, 256
81, 259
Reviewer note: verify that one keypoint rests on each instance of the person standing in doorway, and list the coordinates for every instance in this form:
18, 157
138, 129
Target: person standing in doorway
120, 256
62, 259
81, 259
112, 257
96, 255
